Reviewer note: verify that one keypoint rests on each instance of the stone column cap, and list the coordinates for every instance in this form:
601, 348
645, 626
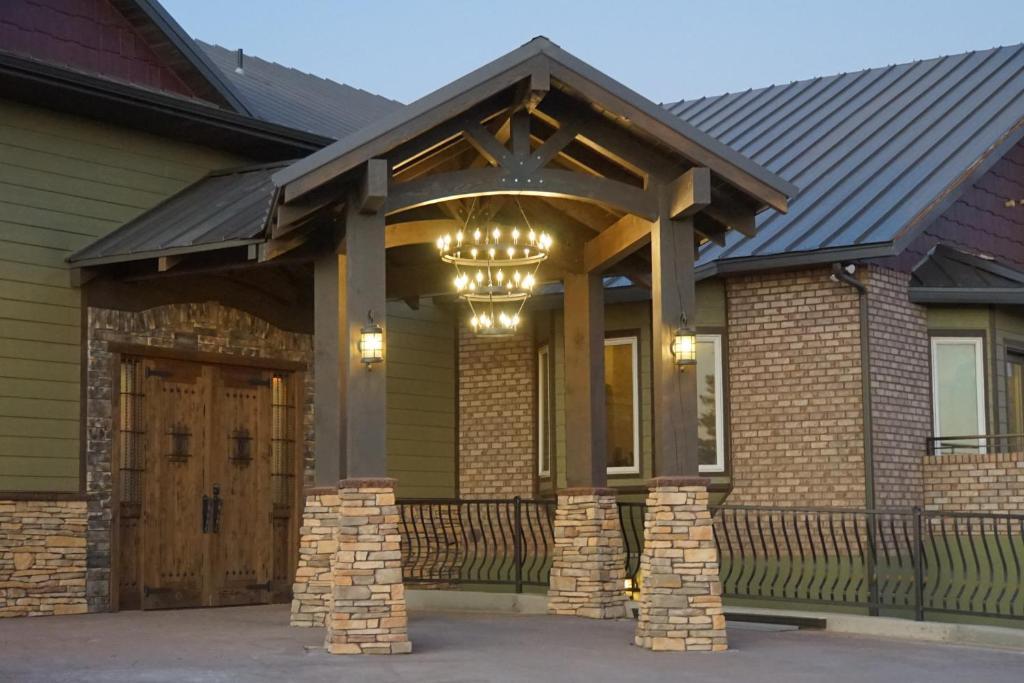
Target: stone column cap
320, 491
368, 483
586, 491
678, 482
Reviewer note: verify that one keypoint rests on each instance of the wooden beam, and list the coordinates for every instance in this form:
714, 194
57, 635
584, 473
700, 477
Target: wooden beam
165, 263
373, 186
689, 193
366, 402
520, 136
675, 392
330, 358
539, 85
585, 415
624, 237
740, 219
710, 228
486, 144
550, 148
276, 248
545, 183
418, 232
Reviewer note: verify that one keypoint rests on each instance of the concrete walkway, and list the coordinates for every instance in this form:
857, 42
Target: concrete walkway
254, 644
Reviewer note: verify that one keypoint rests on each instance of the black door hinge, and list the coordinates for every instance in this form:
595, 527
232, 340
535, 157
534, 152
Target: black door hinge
162, 374
259, 382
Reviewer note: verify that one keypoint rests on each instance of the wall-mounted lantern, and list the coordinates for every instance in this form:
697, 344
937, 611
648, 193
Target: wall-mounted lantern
684, 344
371, 342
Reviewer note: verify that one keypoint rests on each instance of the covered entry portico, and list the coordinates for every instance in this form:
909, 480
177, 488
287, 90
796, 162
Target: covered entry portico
623, 188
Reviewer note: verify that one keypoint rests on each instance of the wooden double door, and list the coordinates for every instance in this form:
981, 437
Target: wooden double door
210, 520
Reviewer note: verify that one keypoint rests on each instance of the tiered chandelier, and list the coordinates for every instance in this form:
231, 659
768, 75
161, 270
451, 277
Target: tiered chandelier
495, 272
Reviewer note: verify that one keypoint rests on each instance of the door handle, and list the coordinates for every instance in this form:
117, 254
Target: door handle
206, 514
216, 504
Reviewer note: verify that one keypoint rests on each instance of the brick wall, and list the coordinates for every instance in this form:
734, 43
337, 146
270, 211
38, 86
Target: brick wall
900, 388
42, 557
975, 483
795, 390
496, 416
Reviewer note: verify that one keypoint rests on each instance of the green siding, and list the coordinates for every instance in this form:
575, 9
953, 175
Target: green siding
421, 400
64, 181
711, 314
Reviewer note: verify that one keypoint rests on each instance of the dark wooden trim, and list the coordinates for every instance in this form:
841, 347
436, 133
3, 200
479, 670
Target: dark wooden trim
626, 236
587, 491
659, 482
457, 343
83, 392
43, 496
114, 375
205, 357
689, 193
367, 483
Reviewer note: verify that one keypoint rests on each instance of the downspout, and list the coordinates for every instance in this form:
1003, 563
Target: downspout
841, 274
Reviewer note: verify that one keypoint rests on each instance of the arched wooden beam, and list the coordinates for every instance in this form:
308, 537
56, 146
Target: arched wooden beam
543, 183
418, 232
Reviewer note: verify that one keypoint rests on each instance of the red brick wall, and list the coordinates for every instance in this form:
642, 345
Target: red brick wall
795, 390
975, 483
496, 416
900, 388
87, 35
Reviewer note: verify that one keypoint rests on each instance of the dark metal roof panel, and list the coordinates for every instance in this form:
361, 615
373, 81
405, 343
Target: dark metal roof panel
299, 100
222, 209
871, 151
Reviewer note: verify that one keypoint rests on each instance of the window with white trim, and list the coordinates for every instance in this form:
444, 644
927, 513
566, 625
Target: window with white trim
543, 412
958, 392
622, 404
710, 398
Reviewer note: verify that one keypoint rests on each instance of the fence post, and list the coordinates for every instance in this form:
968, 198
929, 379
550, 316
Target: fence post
918, 555
871, 564
518, 542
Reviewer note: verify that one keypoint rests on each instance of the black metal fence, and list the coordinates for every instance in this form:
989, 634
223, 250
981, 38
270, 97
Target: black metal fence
910, 562
975, 443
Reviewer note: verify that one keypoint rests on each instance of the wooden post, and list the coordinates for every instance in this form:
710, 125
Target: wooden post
585, 452
366, 418
330, 367
675, 391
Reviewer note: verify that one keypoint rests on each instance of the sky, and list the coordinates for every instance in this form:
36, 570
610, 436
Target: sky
666, 50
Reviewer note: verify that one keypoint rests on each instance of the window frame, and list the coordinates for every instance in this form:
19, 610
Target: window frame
634, 341
543, 408
719, 466
979, 359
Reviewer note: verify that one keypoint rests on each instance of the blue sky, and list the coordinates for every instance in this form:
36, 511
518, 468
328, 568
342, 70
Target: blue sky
665, 50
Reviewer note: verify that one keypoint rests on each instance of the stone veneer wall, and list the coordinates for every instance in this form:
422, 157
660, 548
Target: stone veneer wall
206, 327
989, 482
795, 389
900, 388
318, 543
42, 557
497, 429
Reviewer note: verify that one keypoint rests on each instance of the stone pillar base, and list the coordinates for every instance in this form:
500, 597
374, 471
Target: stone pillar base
588, 571
317, 546
681, 598
367, 613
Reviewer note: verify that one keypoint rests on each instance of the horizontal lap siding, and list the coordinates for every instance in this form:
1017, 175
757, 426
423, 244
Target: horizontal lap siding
64, 181
421, 400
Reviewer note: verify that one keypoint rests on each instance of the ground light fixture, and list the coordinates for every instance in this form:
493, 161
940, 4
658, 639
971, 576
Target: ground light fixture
495, 272
684, 344
371, 342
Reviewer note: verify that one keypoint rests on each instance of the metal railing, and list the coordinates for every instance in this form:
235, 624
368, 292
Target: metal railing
975, 443
909, 562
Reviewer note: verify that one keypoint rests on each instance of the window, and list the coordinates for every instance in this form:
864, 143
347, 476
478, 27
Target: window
710, 413
543, 413
958, 392
622, 405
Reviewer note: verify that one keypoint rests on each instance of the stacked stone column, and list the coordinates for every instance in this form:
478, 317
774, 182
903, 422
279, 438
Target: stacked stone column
318, 544
681, 600
367, 606
588, 571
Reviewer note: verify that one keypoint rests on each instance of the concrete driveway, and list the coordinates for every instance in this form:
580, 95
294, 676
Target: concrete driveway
254, 644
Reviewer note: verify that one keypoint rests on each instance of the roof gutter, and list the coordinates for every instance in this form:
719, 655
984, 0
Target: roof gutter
840, 273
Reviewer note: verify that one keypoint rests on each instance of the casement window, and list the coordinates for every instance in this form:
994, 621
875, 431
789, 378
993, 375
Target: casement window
543, 412
622, 404
958, 392
710, 398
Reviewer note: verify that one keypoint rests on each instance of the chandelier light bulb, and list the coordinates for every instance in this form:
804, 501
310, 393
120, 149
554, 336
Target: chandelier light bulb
458, 238
476, 236
440, 243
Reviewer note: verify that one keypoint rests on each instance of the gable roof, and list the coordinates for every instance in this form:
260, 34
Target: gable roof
954, 276
288, 97
875, 153
539, 53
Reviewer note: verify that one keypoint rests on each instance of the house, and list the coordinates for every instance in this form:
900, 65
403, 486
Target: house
170, 282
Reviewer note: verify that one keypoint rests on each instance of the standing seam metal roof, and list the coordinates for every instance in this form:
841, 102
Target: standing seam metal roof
870, 151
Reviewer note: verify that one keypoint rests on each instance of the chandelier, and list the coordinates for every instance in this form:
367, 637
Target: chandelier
495, 272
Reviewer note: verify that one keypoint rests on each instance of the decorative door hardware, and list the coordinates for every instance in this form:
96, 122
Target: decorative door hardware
147, 591
162, 374
259, 586
211, 511
180, 438
241, 446
259, 382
